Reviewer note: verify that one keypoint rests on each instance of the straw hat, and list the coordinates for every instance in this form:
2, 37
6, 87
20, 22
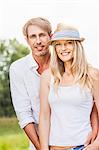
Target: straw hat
66, 33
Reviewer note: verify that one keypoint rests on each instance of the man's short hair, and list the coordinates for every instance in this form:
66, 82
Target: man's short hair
40, 22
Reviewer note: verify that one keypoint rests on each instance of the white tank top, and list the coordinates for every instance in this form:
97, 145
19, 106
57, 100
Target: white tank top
70, 115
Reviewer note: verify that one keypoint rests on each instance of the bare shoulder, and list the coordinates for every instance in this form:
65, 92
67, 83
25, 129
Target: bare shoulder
46, 75
95, 75
94, 72
46, 72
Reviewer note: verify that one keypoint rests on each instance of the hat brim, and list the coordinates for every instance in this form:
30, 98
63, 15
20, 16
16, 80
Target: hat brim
74, 39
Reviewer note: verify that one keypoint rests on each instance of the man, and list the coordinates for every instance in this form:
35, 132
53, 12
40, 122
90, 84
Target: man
25, 77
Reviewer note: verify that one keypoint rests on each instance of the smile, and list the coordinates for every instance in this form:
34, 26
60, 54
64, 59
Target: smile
65, 53
39, 47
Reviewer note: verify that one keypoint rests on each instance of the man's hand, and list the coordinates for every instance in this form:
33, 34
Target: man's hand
93, 146
91, 138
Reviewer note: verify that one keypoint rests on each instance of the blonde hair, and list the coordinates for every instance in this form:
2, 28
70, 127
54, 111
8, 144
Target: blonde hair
40, 22
79, 65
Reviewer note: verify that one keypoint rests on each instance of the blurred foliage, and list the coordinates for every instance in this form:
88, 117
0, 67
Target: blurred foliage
11, 136
10, 50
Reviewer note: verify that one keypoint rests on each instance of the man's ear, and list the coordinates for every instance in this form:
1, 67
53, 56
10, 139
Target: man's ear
51, 35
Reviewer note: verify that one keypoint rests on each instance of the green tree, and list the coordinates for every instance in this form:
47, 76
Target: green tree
10, 51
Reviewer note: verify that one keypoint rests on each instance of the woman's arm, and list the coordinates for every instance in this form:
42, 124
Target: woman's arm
96, 97
44, 120
95, 144
94, 123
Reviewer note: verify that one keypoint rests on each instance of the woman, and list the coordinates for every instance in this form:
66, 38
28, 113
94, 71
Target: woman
68, 91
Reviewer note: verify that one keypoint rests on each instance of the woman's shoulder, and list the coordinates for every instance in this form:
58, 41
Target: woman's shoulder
94, 73
46, 75
46, 72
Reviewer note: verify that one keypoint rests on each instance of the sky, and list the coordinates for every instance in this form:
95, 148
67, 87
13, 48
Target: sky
83, 14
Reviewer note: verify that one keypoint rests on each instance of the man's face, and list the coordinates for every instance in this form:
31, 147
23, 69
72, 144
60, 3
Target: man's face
38, 40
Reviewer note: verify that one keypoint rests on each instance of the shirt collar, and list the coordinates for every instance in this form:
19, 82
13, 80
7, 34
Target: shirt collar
31, 62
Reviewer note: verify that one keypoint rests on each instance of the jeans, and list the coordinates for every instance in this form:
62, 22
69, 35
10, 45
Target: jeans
76, 148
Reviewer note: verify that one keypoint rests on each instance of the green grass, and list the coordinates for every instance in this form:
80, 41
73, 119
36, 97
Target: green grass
11, 136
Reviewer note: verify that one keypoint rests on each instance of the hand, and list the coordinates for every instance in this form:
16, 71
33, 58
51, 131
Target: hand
93, 146
44, 148
90, 139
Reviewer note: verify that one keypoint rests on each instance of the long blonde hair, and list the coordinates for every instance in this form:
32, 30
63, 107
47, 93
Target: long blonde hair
79, 65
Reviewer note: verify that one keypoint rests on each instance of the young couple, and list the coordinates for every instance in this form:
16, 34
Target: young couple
54, 87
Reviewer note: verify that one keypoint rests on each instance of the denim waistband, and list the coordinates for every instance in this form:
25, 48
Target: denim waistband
81, 147
76, 148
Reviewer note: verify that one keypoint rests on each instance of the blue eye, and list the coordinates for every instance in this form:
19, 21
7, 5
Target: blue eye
42, 35
33, 36
57, 44
70, 42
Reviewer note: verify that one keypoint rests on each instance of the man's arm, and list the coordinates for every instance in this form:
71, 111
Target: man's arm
22, 104
32, 134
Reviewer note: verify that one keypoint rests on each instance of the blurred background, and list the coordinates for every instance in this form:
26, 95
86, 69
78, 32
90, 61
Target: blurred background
13, 14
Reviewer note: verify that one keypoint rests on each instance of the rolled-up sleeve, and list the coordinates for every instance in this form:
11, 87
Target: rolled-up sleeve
20, 97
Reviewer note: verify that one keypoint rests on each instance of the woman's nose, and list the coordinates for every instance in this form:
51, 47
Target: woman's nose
63, 47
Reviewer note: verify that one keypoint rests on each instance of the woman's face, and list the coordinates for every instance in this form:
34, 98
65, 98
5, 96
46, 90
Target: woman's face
64, 49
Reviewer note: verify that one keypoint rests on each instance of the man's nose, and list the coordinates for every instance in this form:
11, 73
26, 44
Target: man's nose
38, 41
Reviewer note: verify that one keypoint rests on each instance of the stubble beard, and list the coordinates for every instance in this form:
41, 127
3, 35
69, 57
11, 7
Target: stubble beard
42, 53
